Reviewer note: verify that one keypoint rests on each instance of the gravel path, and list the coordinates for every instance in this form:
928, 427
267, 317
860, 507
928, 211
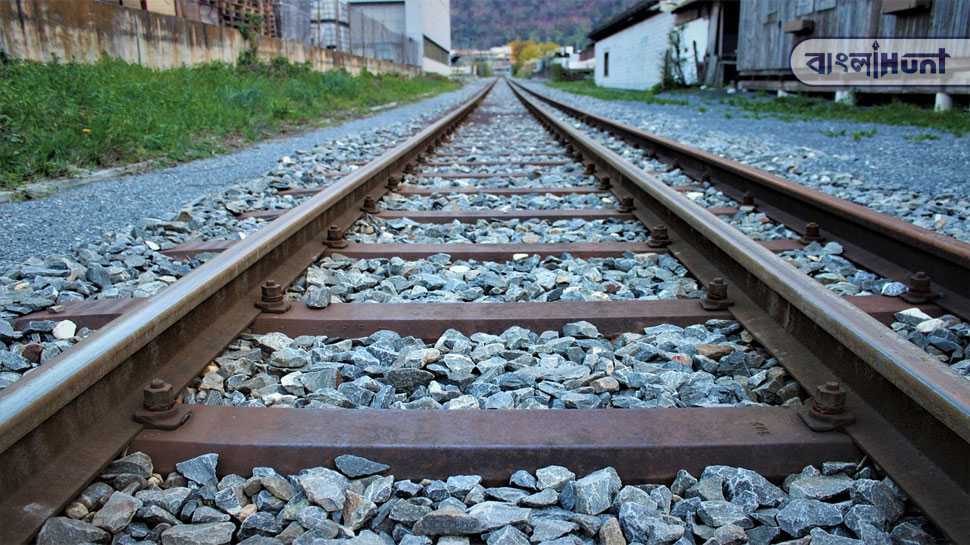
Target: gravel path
56, 224
922, 182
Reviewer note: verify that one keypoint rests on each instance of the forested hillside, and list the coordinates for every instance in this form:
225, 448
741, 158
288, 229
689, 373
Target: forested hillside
480, 24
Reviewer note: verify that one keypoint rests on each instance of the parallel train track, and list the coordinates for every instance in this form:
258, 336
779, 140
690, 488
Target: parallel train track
61, 425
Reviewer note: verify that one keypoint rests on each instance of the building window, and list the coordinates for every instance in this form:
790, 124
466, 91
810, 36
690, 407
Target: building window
606, 64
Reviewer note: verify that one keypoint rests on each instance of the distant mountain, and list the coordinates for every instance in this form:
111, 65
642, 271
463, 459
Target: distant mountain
479, 24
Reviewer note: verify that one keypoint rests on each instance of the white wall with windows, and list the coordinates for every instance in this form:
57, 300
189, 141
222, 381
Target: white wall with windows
633, 57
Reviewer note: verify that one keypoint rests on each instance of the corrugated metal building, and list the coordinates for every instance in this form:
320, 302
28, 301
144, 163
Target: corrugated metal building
770, 29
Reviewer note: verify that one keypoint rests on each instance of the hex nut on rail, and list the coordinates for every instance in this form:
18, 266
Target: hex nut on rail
716, 298
827, 410
159, 410
272, 299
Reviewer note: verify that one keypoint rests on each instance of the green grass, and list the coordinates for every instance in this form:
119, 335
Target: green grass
922, 137
58, 118
588, 88
793, 108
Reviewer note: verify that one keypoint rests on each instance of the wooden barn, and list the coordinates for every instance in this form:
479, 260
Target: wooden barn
769, 29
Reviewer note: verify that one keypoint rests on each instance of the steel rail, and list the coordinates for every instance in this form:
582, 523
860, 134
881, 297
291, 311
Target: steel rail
912, 413
60, 425
881, 243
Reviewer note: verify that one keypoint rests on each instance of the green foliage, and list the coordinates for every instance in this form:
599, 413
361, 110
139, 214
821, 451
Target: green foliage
793, 108
859, 135
833, 133
922, 137
56, 118
588, 88
484, 69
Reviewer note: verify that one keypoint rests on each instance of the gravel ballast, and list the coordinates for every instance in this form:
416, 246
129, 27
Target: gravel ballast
877, 171
711, 364
500, 203
357, 501
376, 230
438, 278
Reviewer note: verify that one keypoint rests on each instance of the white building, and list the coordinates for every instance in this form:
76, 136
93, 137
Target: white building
330, 24
414, 32
630, 47
633, 47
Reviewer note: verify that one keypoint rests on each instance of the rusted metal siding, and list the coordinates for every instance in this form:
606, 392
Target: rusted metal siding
763, 47
85, 31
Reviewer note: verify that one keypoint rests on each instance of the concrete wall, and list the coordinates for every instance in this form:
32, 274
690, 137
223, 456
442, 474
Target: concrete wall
85, 31
636, 54
693, 37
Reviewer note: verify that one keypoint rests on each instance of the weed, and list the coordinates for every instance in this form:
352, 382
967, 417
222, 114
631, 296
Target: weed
833, 133
859, 135
792, 108
922, 137
588, 88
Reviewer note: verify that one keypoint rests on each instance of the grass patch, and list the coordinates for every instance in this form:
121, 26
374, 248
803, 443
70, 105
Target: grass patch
793, 108
588, 88
58, 118
922, 137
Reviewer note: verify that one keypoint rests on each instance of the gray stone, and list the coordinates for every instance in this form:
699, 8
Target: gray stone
170, 499
204, 513
65, 531
730, 535
493, 514
356, 466
406, 511
261, 540
643, 525
201, 469
317, 297
325, 487
461, 485
554, 477
819, 487
799, 516
136, 463
762, 535
407, 379
289, 358
448, 521
275, 483
507, 494
821, 537
548, 529
117, 512
260, 523
737, 479
717, 513
595, 492
214, 533
580, 330
545, 498
507, 535
908, 533
317, 519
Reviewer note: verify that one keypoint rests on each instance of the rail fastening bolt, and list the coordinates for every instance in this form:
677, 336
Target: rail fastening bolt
605, 183
272, 299
158, 396
659, 238
590, 168
829, 399
812, 233
626, 205
335, 237
393, 182
717, 295
370, 205
920, 288
747, 199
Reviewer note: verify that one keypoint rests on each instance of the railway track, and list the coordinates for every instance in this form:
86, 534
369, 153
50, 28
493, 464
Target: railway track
431, 278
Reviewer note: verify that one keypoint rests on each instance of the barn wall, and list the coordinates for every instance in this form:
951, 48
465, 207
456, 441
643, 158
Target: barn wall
763, 47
